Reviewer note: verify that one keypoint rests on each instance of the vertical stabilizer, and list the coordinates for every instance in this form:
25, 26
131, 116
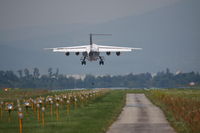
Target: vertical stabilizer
90, 39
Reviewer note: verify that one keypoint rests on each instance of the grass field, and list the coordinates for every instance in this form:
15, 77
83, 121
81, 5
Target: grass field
181, 107
95, 115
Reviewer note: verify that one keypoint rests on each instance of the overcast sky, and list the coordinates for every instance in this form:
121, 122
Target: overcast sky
167, 30
26, 13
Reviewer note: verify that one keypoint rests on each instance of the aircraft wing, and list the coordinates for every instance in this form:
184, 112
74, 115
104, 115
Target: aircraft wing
115, 49
70, 49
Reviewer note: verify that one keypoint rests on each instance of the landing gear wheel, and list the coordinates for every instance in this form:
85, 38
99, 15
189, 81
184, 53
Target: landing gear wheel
83, 62
101, 62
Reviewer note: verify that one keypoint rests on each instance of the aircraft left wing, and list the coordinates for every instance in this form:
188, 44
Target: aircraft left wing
70, 49
115, 49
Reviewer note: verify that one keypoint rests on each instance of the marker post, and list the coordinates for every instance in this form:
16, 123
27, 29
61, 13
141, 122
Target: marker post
20, 116
9, 108
57, 111
38, 110
75, 103
43, 110
68, 107
27, 105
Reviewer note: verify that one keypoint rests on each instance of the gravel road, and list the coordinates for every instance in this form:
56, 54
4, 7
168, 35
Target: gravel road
140, 116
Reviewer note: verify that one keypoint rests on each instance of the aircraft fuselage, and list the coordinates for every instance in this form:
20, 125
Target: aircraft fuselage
92, 54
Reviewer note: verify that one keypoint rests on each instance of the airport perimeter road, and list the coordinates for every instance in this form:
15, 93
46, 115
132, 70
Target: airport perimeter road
140, 116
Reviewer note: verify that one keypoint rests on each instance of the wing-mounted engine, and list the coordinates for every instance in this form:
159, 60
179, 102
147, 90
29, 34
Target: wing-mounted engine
108, 53
67, 53
77, 53
118, 53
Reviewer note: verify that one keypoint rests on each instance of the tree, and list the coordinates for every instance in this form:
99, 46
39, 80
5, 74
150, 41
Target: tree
10, 79
164, 79
57, 73
89, 81
36, 73
50, 72
27, 73
20, 73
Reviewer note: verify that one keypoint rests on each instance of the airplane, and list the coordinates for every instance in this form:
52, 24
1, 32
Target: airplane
92, 51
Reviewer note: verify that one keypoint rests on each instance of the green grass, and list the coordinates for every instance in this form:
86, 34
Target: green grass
95, 117
13, 95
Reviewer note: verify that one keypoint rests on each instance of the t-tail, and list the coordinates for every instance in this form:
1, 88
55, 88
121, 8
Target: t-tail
97, 35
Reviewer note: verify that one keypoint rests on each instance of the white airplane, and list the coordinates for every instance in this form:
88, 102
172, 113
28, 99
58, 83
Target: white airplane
92, 52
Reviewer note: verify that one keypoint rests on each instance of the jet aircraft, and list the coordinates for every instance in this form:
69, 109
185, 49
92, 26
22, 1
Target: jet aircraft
92, 51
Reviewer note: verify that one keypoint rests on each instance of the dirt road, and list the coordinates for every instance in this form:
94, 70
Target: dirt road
140, 116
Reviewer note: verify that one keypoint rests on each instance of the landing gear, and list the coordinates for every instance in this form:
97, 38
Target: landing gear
83, 62
101, 62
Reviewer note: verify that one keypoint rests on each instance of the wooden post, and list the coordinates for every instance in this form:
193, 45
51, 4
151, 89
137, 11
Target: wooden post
20, 116
38, 110
43, 109
57, 111
50, 100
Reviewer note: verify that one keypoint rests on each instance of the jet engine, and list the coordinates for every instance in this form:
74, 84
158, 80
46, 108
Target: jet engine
67, 53
108, 53
77, 53
118, 53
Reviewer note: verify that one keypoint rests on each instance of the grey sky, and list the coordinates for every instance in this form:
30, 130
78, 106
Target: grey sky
167, 30
26, 13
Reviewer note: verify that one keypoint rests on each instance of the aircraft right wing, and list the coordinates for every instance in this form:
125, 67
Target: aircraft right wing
115, 49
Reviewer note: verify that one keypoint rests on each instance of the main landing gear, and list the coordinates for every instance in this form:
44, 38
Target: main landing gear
83, 62
101, 62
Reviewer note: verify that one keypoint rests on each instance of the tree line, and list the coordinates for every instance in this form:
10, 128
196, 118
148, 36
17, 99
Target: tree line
54, 80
